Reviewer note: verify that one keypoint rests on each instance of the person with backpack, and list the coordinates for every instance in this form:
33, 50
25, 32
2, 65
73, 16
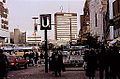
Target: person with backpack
3, 65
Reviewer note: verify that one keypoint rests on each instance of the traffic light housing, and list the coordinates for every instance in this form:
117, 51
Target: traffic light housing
70, 42
35, 27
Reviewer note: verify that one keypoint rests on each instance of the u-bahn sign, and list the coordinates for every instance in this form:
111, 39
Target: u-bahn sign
45, 21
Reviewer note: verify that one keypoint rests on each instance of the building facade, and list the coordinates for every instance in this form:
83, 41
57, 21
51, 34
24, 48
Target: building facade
66, 26
81, 24
4, 29
33, 38
109, 28
96, 8
17, 37
85, 21
116, 18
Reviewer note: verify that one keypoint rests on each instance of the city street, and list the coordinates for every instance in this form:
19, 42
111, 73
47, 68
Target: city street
81, 38
38, 73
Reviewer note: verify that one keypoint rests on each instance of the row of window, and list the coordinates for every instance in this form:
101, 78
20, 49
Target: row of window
4, 27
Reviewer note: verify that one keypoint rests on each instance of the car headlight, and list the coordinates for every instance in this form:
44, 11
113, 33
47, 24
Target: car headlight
12, 63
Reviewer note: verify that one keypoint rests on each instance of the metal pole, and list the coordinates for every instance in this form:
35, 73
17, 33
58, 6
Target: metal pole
35, 18
35, 30
46, 54
70, 33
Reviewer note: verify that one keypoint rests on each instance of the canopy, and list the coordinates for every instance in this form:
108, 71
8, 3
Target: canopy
115, 40
20, 48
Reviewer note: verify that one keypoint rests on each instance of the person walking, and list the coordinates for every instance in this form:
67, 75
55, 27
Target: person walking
91, 61
114, 64
58, 62
36, 58
51, 62
41, 58
103, 59
31, 58
3, 65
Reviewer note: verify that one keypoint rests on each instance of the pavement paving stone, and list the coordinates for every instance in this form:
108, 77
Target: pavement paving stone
38, 73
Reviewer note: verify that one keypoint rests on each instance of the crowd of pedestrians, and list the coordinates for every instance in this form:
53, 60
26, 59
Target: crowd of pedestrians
34, 58
105, 60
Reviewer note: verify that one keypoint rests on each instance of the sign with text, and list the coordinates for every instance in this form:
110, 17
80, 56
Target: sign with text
45, 21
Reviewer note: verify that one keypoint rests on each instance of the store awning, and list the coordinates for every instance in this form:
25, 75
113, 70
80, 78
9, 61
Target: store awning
84, 38
115, 40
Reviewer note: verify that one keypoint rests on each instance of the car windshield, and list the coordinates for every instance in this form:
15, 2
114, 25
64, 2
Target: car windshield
10, 58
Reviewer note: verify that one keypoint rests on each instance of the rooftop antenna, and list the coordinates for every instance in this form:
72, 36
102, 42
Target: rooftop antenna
61, 8
68, 6
17, 26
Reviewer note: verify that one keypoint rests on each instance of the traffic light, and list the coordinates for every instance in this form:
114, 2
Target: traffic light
35, 27
70, 42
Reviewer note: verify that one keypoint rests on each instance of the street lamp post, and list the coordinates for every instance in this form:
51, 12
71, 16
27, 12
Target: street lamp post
45, 21
35, 18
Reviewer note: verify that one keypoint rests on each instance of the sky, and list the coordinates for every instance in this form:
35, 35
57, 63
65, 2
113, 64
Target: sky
22, 11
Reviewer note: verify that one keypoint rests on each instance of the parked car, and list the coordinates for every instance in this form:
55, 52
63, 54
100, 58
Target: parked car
17, 61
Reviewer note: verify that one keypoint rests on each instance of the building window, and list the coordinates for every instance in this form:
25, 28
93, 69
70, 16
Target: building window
4, 1
96, 20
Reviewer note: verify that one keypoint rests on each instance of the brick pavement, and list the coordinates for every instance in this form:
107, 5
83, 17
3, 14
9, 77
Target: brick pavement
38, 73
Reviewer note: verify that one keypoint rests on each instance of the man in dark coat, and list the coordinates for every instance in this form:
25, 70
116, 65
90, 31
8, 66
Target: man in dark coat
114, 66
3, 65
103, 59
91, 60
36, 58
58, 62
51, 62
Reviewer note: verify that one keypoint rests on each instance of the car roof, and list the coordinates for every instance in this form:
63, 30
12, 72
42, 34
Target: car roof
13, 55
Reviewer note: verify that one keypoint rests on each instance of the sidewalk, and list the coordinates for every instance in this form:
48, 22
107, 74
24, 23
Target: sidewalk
75, 69
38, 73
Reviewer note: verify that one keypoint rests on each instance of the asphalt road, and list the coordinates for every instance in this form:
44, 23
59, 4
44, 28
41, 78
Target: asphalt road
38, 73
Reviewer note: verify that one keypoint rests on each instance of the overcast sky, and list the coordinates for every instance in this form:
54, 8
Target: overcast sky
22, 11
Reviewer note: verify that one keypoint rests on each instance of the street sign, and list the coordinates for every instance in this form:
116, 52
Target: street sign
45, 21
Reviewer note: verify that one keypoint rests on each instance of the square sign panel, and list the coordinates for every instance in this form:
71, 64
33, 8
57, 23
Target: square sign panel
45, 21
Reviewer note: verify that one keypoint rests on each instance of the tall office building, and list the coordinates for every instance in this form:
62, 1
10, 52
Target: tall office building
17, 37
4, 30
66, 26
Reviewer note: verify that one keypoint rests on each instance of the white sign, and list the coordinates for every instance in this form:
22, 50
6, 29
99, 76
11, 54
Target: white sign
45, 21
